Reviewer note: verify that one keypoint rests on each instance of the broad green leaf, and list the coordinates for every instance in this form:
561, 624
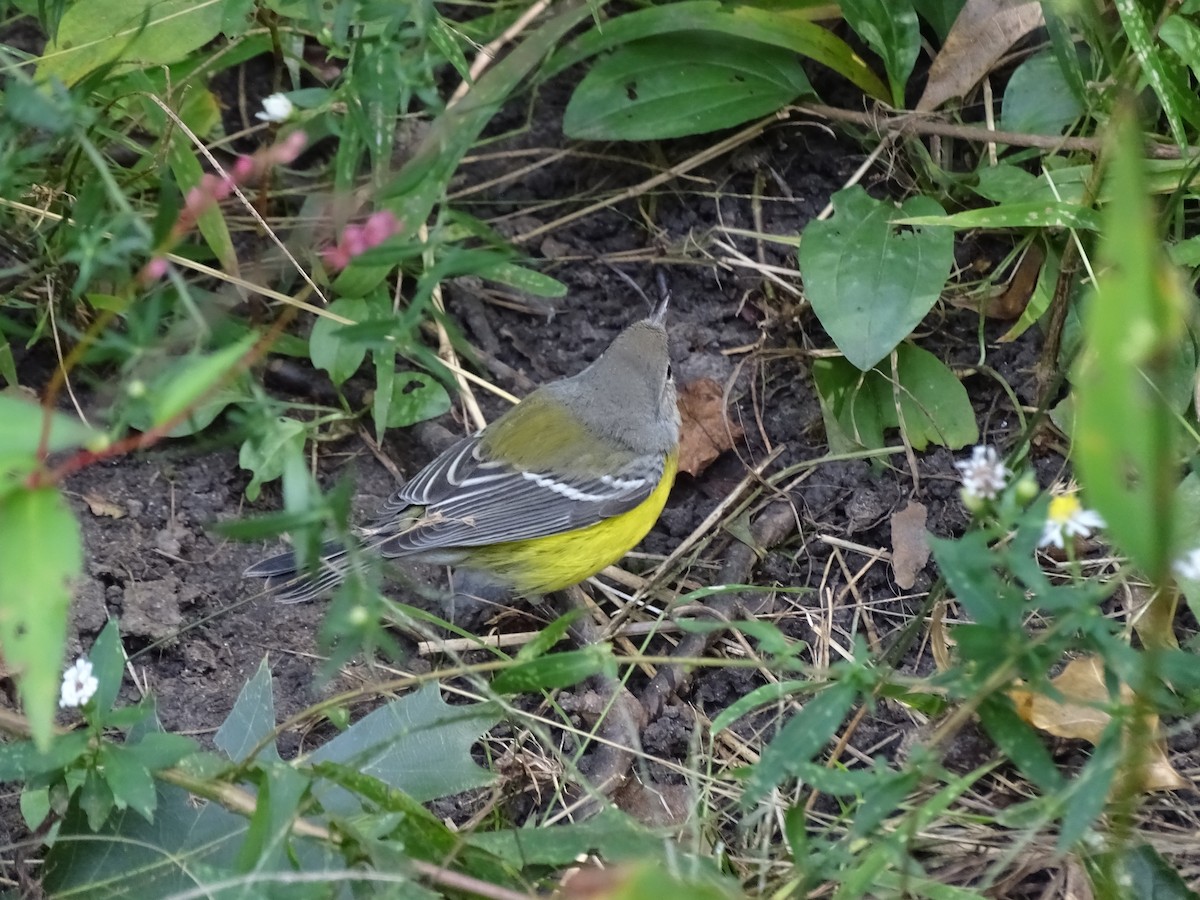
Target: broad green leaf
929, 403
129, 780
1138, 871
1124, 439
556, 670
1038, 98
22, 420
791, 27
871, 282
682, 84
41, 554
251, 720
1182, 35
329, 349
94, 33
281, 789
420, 745
891, 29
266, 451
940, 14
415, 398
194, 381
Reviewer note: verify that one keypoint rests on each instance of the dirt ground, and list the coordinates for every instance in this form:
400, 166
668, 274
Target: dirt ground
193, 625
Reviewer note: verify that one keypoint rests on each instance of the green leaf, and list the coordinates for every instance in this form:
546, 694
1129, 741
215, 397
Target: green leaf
22, 421
1124, 440
266, 451
1019, 742
763, 695
95, 799
181, 156
682, 84
802, 738
107, 657
1030, 214
891, 29
1183, 36
925, 399
40, 556
1038, 98
329, 350
420, 745
871, 282
525, 279
251, 721
611, 834
556, 670
415, 398
1137, 32
791, 27
1137, 872
160, 749
190, 383
129, 780
94, 33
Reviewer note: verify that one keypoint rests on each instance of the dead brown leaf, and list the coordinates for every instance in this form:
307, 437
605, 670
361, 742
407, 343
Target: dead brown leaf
983, 32
1081, 715
910, 549
1009, 300
102, 507
705, 431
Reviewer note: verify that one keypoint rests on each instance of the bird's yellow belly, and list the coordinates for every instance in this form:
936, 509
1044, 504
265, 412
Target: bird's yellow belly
545, 564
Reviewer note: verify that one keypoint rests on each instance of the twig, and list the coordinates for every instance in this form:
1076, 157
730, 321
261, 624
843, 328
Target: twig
917, 124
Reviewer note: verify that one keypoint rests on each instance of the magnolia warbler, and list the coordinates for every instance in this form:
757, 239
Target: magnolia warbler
560, 486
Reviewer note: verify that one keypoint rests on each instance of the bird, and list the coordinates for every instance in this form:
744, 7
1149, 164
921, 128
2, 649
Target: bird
563, 484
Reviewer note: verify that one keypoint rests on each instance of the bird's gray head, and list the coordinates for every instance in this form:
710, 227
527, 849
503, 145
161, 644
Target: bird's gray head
629, 392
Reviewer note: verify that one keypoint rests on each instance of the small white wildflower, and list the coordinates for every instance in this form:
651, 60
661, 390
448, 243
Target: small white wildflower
984, 475
1187, 566
276, 108
78, 684
1066, 518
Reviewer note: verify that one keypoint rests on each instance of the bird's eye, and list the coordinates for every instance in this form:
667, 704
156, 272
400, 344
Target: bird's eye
670, 372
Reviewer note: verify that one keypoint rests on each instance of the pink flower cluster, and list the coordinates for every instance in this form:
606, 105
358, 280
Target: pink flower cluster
357, 239
212, 189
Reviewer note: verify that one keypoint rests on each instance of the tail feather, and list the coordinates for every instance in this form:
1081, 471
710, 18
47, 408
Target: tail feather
290, 584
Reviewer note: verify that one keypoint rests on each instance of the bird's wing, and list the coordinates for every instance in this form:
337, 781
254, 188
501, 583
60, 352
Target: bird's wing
468, 500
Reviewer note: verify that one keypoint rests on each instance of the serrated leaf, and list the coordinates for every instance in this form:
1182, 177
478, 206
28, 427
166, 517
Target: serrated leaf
871, 282
41, 554
682, 84
94, 33
420, 745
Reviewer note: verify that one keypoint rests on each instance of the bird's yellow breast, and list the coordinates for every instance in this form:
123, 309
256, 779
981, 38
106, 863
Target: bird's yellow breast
545, 564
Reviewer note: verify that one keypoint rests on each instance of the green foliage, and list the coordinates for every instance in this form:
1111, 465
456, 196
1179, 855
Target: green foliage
870, 281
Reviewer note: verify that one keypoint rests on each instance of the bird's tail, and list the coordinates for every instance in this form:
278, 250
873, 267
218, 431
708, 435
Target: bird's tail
290, 584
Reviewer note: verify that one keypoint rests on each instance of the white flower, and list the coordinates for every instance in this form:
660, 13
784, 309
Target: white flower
1187, 566
78, 685
276, 108
984, 475
1066, 518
